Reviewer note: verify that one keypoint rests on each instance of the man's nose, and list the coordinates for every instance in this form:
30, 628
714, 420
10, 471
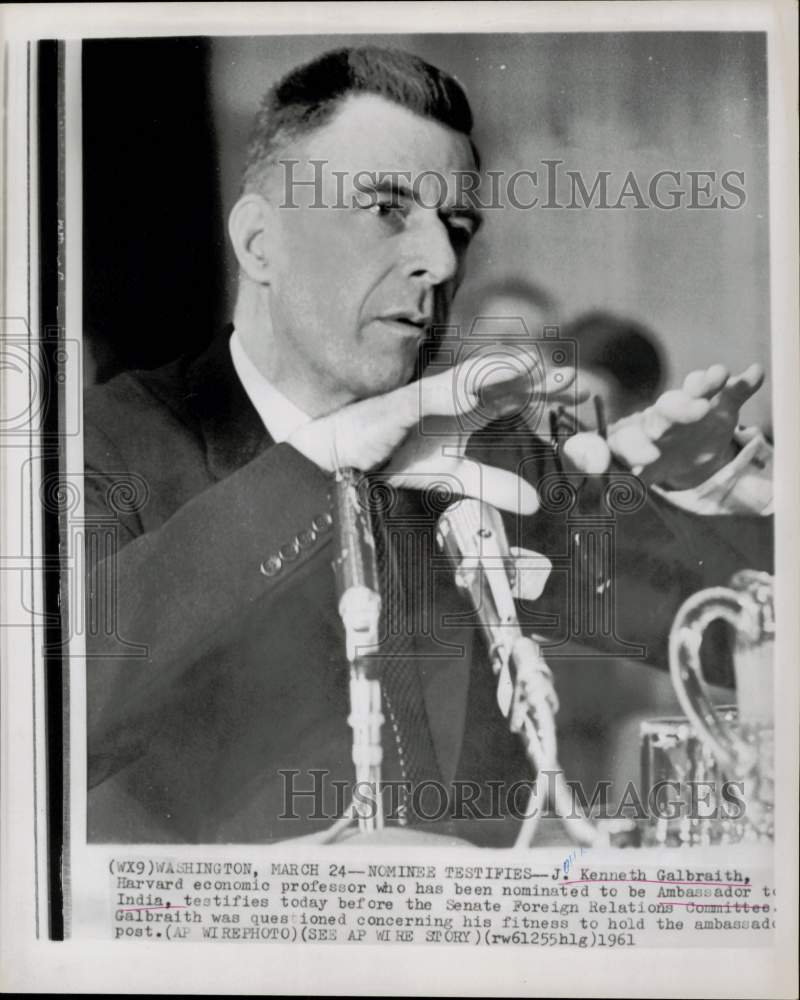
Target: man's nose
430, 256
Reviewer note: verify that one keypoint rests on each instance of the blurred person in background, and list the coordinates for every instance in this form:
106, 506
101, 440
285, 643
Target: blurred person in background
618, 359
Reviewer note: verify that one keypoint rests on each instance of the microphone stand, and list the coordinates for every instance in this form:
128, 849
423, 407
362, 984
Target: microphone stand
532, 717
473, 532
356, 575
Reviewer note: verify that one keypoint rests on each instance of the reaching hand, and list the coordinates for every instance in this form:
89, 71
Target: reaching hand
436, 452
418, 434
687, 434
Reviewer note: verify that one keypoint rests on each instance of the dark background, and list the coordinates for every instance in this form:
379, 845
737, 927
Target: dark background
153, 227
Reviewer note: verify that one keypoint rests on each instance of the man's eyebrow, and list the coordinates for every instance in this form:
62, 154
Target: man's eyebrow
387, 182
395, 185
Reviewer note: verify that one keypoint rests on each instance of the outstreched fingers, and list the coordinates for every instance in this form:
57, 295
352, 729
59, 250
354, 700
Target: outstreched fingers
705, 382
741, 387
498, 487
525, 392
673, 407
706, 393
489, 386
737, 389
494, 380
703, 390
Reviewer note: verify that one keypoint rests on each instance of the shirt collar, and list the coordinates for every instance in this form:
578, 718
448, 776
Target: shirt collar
279, 415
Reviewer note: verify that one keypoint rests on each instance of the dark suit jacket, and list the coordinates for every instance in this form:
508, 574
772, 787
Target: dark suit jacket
215, 650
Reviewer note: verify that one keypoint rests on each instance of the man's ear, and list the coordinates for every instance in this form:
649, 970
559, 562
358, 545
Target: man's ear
251, 227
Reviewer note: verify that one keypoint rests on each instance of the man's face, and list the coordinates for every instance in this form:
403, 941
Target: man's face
355, 287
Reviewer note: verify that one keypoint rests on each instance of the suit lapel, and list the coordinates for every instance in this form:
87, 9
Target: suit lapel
232, 429
234, 434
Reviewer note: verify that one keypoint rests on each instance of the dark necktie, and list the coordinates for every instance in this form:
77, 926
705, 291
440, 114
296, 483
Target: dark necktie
407, 737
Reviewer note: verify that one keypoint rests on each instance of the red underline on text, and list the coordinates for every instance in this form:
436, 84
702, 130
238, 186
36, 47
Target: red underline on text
714, 906
649, 881
167, 906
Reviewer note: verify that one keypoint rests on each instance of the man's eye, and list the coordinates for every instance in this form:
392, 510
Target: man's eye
461, 231
387, 209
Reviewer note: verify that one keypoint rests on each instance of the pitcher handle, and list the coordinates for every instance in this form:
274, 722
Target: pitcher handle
686, 635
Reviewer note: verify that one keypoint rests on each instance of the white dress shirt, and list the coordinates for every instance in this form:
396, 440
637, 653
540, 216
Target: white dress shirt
278, 414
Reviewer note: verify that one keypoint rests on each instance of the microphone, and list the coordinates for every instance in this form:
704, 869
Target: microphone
356, 573
472, 533
355, 567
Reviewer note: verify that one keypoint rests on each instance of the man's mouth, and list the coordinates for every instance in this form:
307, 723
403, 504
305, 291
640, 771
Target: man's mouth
411, 324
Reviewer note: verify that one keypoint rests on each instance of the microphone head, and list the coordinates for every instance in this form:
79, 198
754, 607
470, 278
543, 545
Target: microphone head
355, 567
473, 534
472, 528
588, 453
354, 562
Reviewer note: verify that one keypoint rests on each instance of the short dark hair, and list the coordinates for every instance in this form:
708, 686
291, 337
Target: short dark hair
623, 348
308, 97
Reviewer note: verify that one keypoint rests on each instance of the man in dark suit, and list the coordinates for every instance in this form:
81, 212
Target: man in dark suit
220, 680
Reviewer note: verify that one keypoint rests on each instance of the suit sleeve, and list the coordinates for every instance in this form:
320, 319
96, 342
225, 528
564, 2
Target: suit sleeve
625, 574
624, 560
171, 596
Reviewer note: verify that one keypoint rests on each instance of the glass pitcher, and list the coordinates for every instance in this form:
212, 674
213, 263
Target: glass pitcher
744, 750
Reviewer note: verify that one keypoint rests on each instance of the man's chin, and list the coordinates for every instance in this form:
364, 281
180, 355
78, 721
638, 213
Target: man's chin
379, 381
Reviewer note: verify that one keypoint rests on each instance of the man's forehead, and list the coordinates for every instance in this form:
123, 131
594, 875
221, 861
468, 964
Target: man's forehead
371, 133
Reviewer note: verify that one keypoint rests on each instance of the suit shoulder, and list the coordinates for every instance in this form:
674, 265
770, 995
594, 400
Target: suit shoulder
138, 413
140, 392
